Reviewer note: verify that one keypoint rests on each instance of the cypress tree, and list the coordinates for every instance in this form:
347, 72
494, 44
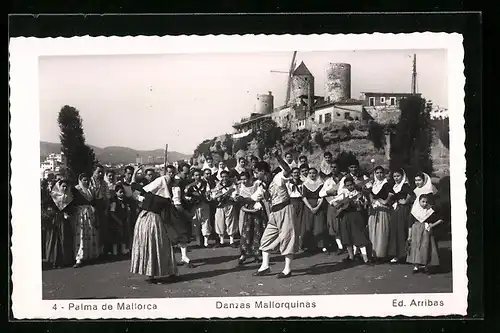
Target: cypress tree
411, 147
80, 158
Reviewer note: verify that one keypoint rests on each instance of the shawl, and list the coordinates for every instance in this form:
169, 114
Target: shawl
60, 198
397, 187
160, 187
313, 185
421, 214
247, 191
327, 186
378, 184
325, 168
425, 189
292, 165
85, 191
345, 193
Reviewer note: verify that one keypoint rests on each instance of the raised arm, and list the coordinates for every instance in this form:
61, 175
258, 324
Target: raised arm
283, 165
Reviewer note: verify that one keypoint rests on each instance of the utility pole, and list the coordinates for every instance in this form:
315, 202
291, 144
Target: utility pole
414, 76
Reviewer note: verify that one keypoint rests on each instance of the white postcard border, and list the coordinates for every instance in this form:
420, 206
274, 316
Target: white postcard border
26, 267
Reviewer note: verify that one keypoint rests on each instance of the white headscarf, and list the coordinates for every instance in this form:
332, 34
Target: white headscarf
425, 189
313, 185
398, 186
378, 184
85, 191
325, 167
159, 187
60, 198
219, 170
420, 213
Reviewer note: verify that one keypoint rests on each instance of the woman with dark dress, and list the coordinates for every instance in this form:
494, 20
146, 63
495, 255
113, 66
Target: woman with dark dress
295, 188
314, 213
59, 242
379, 218
423, 252
350, 203
400, 217
86, 228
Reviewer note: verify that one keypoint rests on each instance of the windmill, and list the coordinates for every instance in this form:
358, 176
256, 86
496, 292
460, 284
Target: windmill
289, 81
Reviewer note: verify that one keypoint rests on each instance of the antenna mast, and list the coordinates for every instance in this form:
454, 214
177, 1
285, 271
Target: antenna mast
414, 76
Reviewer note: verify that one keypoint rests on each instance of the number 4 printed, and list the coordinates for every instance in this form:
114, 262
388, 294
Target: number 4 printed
54, 307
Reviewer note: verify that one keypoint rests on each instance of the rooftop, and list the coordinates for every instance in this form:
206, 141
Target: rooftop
380, 93
302, 70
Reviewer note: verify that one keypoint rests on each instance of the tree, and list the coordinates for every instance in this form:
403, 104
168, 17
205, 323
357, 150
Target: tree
228, 144
411, 147
376, 134
80, 158
320, 140
267, 135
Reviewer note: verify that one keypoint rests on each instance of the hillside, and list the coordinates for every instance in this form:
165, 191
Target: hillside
115, 155
336, 138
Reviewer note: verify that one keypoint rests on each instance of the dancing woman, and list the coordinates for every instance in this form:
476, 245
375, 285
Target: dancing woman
152, 252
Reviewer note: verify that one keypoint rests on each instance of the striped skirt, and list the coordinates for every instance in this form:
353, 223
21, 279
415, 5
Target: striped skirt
152, 252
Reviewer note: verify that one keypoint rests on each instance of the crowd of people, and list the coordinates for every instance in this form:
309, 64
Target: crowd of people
376, 216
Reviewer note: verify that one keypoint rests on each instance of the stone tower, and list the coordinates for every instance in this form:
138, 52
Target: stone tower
264, 103
338, 82
302, 85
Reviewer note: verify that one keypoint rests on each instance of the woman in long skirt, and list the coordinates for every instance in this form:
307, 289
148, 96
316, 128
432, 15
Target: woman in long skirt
59, 245
246, 187
314, 213
380, 210
295, 187
423, 247
350, 203
86, 241
152, 252
400, 217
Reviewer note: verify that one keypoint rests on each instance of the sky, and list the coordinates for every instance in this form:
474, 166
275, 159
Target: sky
146, 101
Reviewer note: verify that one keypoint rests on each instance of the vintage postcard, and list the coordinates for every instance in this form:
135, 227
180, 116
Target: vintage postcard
238, 176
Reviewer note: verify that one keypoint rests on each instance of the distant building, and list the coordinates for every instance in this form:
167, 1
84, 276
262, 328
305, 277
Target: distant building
383, 98
305, 110
138, 160
52, 164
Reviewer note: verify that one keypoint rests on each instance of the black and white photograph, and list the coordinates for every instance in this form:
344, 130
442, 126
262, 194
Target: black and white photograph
239, 176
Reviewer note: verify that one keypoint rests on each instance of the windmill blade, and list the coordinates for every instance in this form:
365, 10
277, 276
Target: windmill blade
289, 82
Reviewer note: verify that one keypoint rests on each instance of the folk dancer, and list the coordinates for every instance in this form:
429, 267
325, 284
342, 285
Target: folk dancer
280, 229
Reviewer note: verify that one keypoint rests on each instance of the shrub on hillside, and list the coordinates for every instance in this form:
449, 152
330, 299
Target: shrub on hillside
203, 149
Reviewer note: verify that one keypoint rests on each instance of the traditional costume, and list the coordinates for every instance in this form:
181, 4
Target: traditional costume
197, 194
59, 245
120, 214
253, 217
352, 226
379, 218
101, 192
152, 252
295, 189
280, 229
332, 220
316, 230
225, 214
423, 246
400, 219
86, 224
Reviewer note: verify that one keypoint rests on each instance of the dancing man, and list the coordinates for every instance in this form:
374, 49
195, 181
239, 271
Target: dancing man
280, 227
